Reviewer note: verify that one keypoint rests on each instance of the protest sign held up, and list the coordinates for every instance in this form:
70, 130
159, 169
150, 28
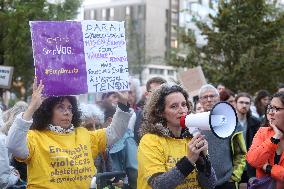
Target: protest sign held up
80, 57
6, 73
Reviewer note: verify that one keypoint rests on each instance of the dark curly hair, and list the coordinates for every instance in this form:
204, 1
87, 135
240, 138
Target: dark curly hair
156, 104
43, 115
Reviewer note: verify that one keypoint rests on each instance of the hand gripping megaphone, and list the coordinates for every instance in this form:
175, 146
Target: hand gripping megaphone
221, 120
105, 179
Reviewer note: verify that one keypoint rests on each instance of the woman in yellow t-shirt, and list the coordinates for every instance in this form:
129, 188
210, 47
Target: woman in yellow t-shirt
59, 153
168, 156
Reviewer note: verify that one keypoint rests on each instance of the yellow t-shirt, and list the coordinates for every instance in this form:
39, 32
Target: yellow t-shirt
63, 160
159, 154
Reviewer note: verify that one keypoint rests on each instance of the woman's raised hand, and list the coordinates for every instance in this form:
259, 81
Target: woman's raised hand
278, 133
35, 101
197, 145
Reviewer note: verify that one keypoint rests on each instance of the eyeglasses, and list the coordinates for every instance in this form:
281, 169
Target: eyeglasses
62, 109
273, 109
243, 102
208, 96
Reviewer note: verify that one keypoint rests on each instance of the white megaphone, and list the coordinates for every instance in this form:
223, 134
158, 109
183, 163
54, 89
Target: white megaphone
221, 120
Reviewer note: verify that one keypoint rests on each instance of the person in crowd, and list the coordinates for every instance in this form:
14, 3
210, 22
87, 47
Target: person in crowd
141, 102
280, 87
221, 87
266, 152
92, 116
151, 85
1, 118
59, 153
135, 93
9, 175
231, 98
249, 125
9, 115
3, 106
198, 107
260, 103
224, 95
229, 163
168, 156
109, 99
228, 96
123, 155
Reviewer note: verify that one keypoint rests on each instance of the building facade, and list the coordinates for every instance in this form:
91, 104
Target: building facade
150, 30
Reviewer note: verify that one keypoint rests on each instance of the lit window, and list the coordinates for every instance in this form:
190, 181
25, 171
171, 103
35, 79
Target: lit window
174, 43
127, 10
92, 14
103, 13
111, 12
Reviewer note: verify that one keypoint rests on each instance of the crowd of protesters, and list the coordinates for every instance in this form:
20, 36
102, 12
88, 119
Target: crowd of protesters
60, 142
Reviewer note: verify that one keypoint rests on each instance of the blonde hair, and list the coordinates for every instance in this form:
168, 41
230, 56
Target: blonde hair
10, 115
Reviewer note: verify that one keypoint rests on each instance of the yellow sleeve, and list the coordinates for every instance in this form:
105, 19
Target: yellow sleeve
98, 141
151, 156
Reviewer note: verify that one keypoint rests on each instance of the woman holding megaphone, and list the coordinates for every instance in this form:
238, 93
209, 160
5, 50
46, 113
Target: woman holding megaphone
266, 153
168, 155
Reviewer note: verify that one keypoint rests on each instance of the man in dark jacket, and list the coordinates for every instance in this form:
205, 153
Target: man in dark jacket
249, 124
151, 85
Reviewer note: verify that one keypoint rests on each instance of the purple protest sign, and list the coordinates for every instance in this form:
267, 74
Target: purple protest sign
59, 57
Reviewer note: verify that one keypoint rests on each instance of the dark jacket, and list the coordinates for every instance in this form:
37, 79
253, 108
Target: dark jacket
139, 116
253, 124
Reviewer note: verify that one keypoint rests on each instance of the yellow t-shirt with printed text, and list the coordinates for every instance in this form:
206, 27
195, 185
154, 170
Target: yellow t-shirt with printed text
159, 154
63, 161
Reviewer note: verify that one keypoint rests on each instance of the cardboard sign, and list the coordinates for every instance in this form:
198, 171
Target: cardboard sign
74, 57
6, 74
192, 80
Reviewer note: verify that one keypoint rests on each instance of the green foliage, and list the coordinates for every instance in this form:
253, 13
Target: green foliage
15, 37
189, 47
245, 46
135, 47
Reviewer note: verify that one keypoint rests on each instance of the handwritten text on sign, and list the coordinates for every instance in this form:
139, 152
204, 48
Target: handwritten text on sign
79, 57
106, 58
